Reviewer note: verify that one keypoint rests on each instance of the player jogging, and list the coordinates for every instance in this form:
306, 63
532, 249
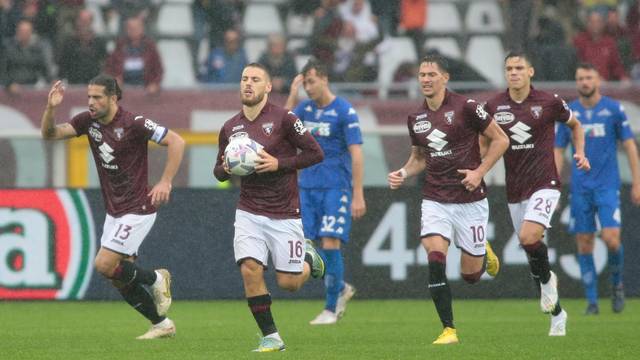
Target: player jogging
118, 141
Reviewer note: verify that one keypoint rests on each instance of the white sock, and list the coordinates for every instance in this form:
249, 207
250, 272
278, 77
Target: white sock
163, 324
275, 335
159, 278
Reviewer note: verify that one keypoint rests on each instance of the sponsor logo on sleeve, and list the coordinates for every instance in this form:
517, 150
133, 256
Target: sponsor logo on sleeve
481, 112
299, 127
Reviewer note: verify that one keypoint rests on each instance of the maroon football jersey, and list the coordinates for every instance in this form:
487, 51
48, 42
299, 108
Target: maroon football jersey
530, 125
120, 153
272, 194
449, 137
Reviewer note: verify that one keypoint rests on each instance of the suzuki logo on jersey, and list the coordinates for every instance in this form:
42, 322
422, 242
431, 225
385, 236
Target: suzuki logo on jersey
106, 155
437, 142
318, 128
594, 130
520, 134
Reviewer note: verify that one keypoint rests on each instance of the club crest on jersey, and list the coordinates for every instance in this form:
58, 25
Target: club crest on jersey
267, 128
95, 134
119, 133
421, 127
449, 116
536, 111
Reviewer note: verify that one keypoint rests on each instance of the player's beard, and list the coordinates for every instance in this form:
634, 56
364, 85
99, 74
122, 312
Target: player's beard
253, 101
101, 114
587, 94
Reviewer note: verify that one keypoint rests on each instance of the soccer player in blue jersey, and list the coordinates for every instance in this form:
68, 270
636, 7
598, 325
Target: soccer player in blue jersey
596, 192
331, 192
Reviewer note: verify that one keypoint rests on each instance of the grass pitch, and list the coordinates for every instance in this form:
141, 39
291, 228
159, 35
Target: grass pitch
397, 329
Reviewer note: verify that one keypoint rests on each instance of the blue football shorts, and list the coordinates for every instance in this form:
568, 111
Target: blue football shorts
585, 206
326, 213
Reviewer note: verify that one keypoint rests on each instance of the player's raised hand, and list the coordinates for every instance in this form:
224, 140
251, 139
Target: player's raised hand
582, 162
160, 193
295, 84
472, 179
56, 94
266, 162
396, 178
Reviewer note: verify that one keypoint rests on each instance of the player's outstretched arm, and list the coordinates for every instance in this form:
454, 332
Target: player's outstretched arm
632, 155
358, 205
416, 163
292, 100
577, 136
48, 127
175, 149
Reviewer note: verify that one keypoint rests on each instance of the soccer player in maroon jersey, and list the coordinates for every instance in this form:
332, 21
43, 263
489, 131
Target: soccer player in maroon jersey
445, 132
528, 116
118, 140
268, 211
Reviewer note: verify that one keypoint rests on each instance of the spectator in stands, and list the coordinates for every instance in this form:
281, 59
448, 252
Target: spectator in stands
551, 43
82, 55
356, 59
214, 16
633, 27
9, 16
413, 19
135, 60
279, 62
595, 47
327, 27
24, 59
225, 64
146, 10
519, 17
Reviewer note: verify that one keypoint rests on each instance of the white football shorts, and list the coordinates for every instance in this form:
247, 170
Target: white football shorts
538, 208
464, 224
125, 234
257, 235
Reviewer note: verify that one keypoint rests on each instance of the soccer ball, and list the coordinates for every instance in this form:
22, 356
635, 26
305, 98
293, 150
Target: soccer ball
241, 155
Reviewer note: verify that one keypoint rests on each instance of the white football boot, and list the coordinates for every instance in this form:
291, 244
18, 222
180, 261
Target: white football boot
326, 317
164, 329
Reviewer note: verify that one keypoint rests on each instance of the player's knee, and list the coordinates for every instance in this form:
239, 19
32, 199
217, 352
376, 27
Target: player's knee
528, 237
250, 268
289, 285
472, 278
104, 267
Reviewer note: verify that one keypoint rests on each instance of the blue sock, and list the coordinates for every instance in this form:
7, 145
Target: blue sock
616, 262
589, 277
333, 278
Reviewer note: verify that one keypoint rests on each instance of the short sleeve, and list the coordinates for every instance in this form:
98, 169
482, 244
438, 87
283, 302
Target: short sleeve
562, 112
412, 133
476, 115
351, 127
80, 123
149, 129
622, 126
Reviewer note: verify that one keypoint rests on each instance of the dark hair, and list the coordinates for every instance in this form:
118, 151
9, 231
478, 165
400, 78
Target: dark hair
110, 84
518, 53
320, 68
586, 66
436, 58
260, 66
